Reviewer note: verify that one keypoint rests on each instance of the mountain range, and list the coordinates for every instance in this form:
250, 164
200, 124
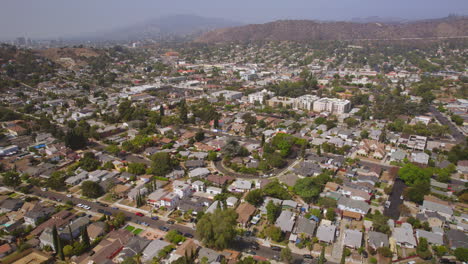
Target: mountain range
301, 30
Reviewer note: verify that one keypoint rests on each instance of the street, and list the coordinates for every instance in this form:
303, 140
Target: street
393, 211
454, 131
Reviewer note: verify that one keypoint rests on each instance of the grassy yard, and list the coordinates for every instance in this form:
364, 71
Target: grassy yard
137, 231
130, 228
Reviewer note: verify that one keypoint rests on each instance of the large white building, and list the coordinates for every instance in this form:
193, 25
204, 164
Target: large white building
332, 105
227, 94
260, 97
305, 102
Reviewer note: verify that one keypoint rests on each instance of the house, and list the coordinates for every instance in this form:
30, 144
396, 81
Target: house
305, 226
286, 221
175, 174
170, 200
156, 196
240, 186
199, 172
46, 239
135, 246
219, 180
404, 236
348, 204
326, 232
231, 201
73, 230
109, 247
192, 164
153, 249
77, 179
188, 248
432, 237
433, 204
352, 238
59, 219
209, 255
398, 155
96, 230
6, 249
245, 212
215, 205
214, 190
420, 158
198, 186
290, 204
462, 166
11, 205
37, 214
355, 194
376, 240
194, 204
121, 191
457, 239
181, 188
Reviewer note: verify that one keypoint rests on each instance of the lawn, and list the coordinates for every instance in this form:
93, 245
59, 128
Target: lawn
137, 231
130, 228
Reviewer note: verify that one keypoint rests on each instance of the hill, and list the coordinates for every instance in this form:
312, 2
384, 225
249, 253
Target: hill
299, 30
174, 26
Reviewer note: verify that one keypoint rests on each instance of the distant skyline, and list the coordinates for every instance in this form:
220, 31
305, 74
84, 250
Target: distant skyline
61, 18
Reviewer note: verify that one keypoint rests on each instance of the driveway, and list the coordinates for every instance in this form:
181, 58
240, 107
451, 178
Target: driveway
393, 211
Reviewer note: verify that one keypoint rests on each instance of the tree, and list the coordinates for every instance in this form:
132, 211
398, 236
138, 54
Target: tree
364, 134
217, 230
379, 222
89, 162
162, 163
439, 250
199, 136
212, 156
91, 189
55, 238
286, 255
274, 233
255, 197
423, 249
183, 111
412, 174
330, 214
68, 250
136, 168
307, 189
161, 110
417, 192
85, 237
75, 140
11, 179
461, 254
322, 259
277, 190
385, 252
56, 180
273, 211
174, 237
60, 249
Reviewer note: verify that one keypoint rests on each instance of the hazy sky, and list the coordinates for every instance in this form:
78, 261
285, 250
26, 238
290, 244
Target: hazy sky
54, 18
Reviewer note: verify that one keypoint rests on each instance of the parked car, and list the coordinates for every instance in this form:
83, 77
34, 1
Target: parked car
163, 228
188, 235
170, 222
307, 256
275, 248
139, 214
144, 224
155, 218
69, 195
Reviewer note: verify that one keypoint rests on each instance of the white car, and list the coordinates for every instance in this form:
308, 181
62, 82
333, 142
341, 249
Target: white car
86, 207
79, 205
69, 195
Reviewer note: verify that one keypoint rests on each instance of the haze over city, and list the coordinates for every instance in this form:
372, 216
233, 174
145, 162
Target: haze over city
57, 18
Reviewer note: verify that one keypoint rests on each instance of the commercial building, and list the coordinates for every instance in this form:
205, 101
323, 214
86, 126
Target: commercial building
332, 105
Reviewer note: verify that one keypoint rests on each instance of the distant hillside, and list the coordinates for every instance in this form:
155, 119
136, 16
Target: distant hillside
165, 27
297, 30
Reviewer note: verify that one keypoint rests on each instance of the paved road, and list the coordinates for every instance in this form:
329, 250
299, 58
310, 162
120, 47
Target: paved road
394, 210
241, 245
454, 131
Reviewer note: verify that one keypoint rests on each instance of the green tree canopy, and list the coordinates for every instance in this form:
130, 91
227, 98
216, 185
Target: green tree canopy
91, 189
217, 230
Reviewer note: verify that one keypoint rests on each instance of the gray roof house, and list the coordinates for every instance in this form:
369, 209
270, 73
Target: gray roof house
352, 238
199, 172
211, 255
326, 233
11, 205
135, 246
37, 213
75, 228
377, 239
443, 210
153, 249
348, 204
286, 221
457, 239
432, 238
305, 226
404, 236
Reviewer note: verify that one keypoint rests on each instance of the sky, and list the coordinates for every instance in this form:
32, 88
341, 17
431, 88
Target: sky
65, 18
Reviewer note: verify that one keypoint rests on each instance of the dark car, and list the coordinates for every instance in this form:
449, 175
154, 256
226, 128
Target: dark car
275, 248
155, 218
307, 256
364, 254
255, 247
188, 235
170, 222
100, 210
251, 252
248, 233
163, 228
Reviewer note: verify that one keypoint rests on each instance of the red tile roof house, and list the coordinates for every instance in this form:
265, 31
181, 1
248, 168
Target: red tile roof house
6, 249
